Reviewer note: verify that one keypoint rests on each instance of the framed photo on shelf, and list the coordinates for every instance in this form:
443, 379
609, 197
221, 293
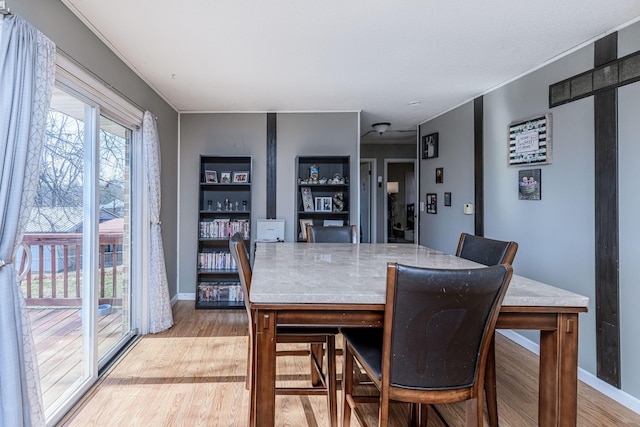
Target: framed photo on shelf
303, 227
225, 177
307, 199
430, 146
210, 177
324, 204
241, 176
432, 203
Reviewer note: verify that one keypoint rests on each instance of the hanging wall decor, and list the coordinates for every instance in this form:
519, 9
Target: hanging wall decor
530, 141
530, 184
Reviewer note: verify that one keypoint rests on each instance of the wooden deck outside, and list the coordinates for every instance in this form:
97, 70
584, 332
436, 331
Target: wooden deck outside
57, 334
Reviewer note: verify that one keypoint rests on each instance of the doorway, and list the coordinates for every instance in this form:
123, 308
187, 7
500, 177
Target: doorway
400, 200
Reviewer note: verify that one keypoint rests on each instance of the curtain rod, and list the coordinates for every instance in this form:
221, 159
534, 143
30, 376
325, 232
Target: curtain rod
4, 9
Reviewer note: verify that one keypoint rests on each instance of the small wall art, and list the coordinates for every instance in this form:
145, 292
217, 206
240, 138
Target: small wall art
530, 184
439, 175
447, 199
530, 141
430, 146
432, 203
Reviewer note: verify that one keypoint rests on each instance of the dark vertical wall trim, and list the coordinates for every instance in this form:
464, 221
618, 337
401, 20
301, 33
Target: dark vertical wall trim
478, 164
271, 164
606, 222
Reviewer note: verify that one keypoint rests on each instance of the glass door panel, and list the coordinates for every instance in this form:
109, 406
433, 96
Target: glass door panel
53, 287
114, 191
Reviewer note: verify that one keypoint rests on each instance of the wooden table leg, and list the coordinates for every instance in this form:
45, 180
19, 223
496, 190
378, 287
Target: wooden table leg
264, 384
558, 397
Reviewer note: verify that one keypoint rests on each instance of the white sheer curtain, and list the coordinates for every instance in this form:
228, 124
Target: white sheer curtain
160, 316
27, 72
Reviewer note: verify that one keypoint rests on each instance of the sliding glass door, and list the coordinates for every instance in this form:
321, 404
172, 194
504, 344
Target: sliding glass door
78, 290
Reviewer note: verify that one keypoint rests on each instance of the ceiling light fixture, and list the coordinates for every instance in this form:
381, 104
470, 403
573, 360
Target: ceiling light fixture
381, 127
414, 103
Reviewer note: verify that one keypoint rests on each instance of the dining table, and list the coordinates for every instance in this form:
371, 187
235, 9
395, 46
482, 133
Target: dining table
336, 284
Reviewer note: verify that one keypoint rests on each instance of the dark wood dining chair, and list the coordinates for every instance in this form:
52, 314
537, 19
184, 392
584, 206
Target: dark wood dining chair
488, 252
332, 234
434, 343
323, 381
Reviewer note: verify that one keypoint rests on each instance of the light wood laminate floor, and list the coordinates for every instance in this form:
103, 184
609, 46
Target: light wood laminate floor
194, 375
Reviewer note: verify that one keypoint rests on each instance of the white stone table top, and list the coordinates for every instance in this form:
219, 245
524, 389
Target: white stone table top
327, 273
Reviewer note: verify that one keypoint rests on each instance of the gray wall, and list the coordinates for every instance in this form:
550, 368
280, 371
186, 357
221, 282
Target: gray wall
310, 134
455, 154
303, 134
629, 206
73, 38
555, 234
381, 152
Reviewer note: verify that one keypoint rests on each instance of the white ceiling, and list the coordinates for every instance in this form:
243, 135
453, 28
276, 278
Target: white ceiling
373, 56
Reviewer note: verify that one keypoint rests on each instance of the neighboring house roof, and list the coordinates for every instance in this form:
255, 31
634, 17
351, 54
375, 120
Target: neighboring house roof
67, 219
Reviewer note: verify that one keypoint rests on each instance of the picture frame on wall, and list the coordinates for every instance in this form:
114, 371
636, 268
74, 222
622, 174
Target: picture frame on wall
530, 184
447, 199
432, 203
430, 146
439, 175
530, 142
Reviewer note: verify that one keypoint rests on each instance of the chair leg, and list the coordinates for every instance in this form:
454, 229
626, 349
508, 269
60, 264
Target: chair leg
383, 413
316, 352
347, 385
247, 384
418, 414
474, 413
330, 378
490, 384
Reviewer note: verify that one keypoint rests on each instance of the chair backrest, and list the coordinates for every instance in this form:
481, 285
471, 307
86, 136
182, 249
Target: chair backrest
332, 234
486, 251
241, 257
438, 325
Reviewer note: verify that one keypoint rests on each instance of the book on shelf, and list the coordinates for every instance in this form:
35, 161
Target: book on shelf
223, 228
216, 261
220, 291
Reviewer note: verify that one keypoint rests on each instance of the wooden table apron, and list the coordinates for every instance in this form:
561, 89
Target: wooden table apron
558, 326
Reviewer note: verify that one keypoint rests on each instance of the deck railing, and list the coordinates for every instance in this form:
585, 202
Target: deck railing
58, 278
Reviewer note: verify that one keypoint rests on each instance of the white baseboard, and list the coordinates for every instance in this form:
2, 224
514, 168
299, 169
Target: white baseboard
186, 296
586, 377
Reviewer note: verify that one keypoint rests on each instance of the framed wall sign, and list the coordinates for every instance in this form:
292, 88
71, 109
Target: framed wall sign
530, 141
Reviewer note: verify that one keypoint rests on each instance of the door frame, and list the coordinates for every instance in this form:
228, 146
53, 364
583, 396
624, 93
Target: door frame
384, 190
373, 168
